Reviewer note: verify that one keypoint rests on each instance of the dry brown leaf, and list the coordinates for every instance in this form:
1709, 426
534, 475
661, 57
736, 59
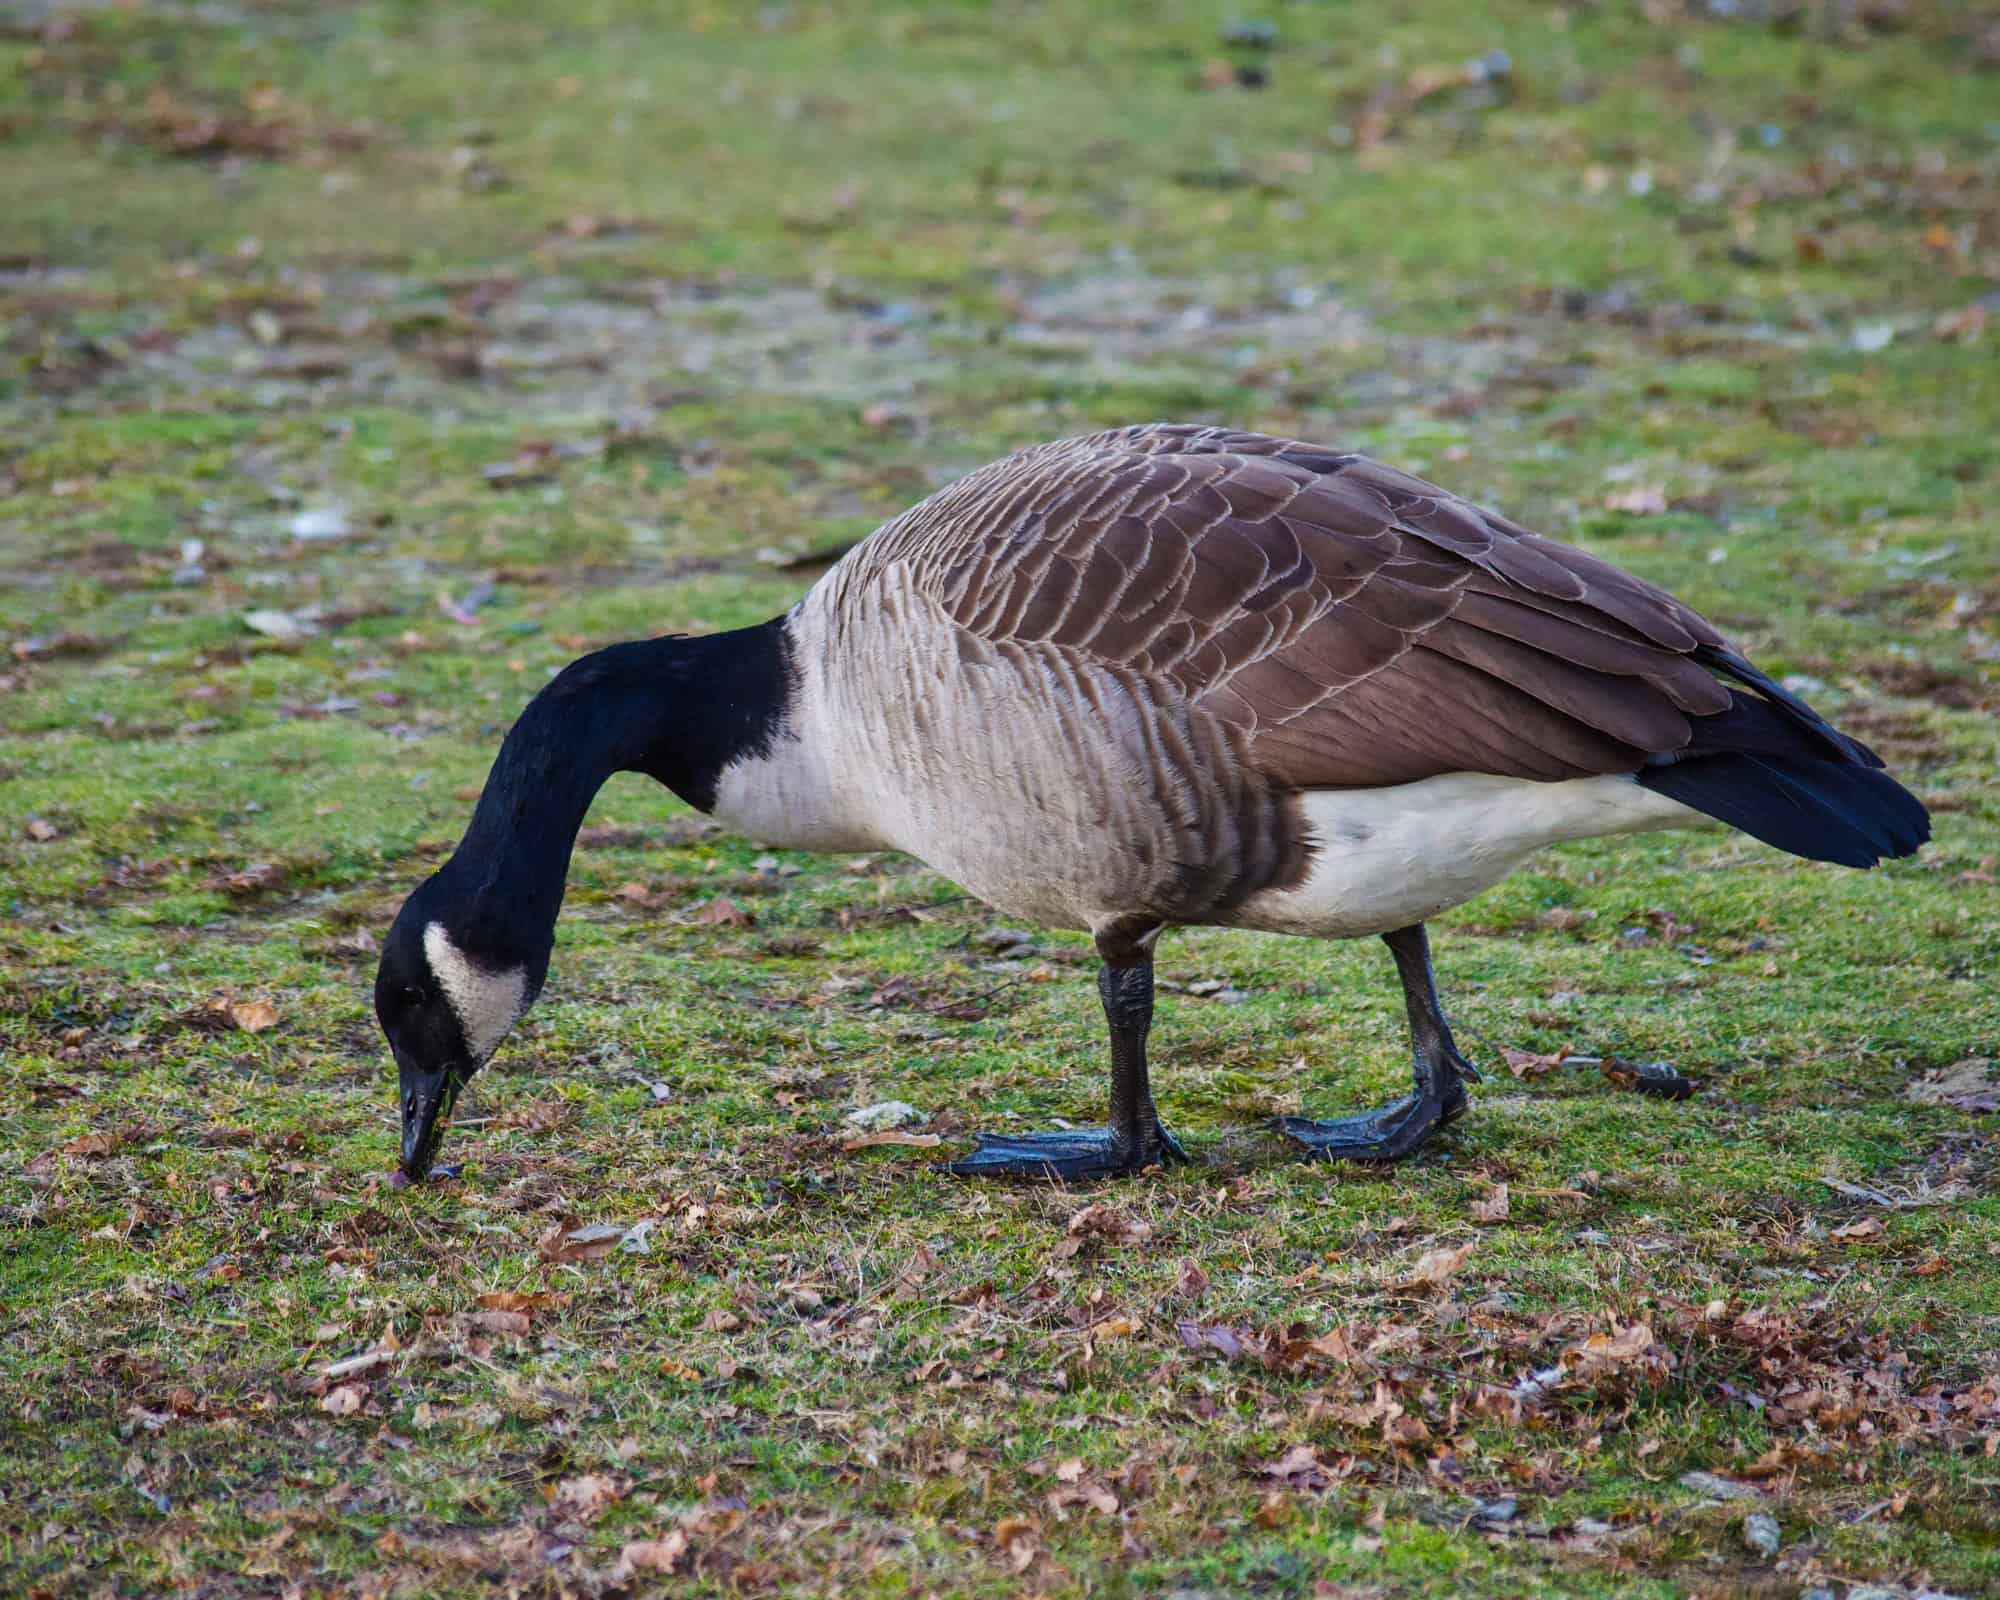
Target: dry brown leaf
1865, 1228
257, 878
586, 1497
637, 893
1300, 1461
92, 1145
1114, 1328
1093, 1495
1629, 1344
1494, 1207
519, 1300
1015, 1536
563, 1243
1527, 1064
1437, 1267
870, 1141
652, 1555
252, 1016
512, 1324
344, 1400
723, 912
40, 830
1106, 1222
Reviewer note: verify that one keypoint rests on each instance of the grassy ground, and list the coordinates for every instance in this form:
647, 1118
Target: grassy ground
325, 321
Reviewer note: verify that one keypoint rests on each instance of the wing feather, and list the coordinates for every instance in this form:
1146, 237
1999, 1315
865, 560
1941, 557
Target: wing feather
1354, 624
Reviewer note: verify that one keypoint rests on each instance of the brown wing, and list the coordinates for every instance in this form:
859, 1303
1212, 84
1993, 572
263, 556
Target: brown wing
1358, 625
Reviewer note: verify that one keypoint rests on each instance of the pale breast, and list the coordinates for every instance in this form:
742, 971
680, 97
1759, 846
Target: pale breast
1387, 858
1060, 790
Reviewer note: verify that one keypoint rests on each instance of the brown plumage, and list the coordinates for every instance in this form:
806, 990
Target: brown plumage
1358, 626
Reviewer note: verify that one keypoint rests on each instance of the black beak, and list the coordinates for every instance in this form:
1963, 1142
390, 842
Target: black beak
427, 1103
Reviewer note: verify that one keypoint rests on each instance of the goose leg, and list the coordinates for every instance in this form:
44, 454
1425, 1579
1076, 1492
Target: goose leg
1394, 1131
1134, 1141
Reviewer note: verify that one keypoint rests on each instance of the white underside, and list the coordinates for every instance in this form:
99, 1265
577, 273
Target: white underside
1386, 858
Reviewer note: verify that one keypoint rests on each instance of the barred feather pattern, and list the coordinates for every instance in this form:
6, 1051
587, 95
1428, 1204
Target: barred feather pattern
1249, 617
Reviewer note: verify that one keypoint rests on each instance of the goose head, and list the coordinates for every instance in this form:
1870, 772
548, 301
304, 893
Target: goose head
446, 994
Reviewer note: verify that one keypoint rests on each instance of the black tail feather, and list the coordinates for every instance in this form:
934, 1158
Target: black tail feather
1786, 724
1822, 810
1777, 769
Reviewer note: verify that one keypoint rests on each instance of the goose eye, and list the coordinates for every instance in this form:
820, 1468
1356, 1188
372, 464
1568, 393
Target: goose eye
413, 994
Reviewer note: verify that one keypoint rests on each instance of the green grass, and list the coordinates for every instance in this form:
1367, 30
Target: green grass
717, 287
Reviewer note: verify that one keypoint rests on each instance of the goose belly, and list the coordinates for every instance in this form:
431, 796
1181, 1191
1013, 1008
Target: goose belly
1386, 858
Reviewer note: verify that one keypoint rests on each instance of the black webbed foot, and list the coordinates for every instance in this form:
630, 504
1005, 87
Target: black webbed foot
1074, 1157
1441, 1074
1387, 1134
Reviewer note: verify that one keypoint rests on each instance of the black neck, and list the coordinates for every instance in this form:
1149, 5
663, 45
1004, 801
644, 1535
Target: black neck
677, 709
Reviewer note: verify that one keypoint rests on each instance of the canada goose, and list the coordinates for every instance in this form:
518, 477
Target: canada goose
1163, 675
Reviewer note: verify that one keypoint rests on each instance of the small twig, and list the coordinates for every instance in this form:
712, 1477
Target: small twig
367, 1361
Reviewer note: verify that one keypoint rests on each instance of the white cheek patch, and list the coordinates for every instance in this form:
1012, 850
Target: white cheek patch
487, 1003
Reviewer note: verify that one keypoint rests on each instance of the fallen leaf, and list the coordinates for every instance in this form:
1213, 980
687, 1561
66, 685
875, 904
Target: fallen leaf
587, 1497
1114, 1328
869, 1141
92, 1145
1967, 1085
512, 1324
344, 1400
1106, 1222
1435, 1268
520, 1300
257, 878
1095, 1496
651, 1555
1302, 1460
1527, 1064
1211, 1336
1613, 1349
563, 1243
723, 912
41, 831
252, 1016
1494, 1207
1015, 1537
1865, 1228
